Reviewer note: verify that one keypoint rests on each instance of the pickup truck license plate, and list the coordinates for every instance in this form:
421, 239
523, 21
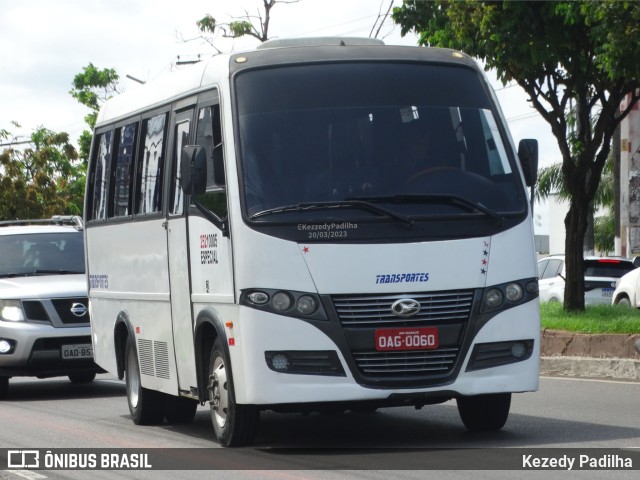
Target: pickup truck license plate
422, 338
70, 352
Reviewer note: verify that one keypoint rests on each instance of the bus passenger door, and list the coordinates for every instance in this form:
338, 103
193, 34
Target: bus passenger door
177, 240
210, 245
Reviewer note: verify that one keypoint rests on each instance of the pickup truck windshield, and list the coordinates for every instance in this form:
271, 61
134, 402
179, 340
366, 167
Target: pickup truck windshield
41, 254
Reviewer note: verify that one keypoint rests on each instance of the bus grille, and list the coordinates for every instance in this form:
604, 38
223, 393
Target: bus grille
361, 315
367, 311
406, 363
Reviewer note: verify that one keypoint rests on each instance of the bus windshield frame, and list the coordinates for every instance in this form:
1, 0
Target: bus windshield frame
382, 144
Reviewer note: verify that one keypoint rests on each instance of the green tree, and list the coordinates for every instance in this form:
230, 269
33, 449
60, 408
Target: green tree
42, 179
92, 87
568, 57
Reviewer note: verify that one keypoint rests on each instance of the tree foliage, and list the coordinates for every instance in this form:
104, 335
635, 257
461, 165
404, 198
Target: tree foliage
92, 87
41, 180
568, 57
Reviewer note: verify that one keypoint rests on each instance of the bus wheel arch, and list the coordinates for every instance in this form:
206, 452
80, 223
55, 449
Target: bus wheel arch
121, 333
208, 329
233, 424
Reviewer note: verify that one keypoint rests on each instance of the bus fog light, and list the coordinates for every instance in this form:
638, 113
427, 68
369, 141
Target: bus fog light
493, 298
281, 301
306, 305
514, 292
259, 298
280, 362
519, 350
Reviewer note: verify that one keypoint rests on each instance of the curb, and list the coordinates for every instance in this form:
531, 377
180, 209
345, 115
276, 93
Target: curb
586, 367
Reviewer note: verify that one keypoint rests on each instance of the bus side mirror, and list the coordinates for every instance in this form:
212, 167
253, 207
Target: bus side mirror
528, 153
193, 170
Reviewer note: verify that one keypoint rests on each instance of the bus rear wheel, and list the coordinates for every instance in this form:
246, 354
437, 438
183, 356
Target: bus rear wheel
147, 407
234, 425
484, 413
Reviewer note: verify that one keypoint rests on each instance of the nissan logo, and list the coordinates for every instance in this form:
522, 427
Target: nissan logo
405, 307
78, 309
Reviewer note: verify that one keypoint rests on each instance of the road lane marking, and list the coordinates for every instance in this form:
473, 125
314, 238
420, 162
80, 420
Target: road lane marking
26, 474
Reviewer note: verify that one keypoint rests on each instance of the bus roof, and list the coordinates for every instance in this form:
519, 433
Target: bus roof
203, 75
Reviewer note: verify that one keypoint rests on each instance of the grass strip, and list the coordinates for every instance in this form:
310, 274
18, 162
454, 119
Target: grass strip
595, 319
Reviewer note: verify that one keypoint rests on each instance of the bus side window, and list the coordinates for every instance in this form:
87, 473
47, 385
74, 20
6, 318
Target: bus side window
151, 166
209, 136
99, 178
121, 177
176, 196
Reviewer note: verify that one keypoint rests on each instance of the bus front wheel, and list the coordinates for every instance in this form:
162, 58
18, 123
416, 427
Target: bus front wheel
484, 413
147, 407
233, 424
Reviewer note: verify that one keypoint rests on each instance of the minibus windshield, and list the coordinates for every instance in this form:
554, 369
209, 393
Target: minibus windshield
412, 140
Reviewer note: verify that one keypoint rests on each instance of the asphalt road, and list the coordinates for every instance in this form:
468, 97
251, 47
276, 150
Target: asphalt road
565, 415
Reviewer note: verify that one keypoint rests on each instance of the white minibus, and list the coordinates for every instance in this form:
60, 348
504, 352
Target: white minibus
317, 224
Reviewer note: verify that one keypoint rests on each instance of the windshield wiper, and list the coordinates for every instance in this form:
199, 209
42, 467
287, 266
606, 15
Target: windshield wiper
11, 275
434, 198
348, 203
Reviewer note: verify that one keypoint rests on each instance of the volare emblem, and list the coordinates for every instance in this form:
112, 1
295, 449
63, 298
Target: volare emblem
405, 307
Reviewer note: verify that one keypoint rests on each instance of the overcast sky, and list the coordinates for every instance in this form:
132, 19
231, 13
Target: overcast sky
45, 43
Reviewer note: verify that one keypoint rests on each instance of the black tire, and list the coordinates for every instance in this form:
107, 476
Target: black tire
82, 377
180, 409
234, 425
4, 387
623, 301
147, 407
484, 413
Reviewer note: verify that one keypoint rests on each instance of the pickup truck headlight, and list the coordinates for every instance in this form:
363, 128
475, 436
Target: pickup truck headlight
11, 311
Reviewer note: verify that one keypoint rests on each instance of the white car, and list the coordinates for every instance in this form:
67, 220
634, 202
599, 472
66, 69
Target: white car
600, 277
627, 290
44, 315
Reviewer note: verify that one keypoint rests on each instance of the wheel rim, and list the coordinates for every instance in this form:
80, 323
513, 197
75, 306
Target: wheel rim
218, 393
133, 379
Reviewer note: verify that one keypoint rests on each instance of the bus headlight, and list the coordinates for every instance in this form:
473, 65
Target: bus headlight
306, 305
514, 292
281, 302
259, 298
493, 298
284, 302
11, 311
507, 295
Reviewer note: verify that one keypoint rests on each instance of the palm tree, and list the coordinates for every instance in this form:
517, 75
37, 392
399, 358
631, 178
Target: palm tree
601, 235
